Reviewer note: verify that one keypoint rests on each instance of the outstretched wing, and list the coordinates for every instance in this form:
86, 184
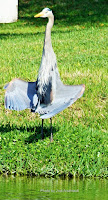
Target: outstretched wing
20, 95
66, 95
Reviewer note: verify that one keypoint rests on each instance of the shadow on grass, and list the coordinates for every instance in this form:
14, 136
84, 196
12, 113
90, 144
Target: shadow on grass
34, 132
16, 35
37, 135
66, 12
29, 35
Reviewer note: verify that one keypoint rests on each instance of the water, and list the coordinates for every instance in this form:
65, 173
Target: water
24, 188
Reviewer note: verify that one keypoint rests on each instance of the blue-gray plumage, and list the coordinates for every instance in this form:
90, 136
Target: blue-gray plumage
20, 95
48, 95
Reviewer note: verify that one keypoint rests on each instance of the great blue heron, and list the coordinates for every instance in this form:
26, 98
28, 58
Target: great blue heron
48, 95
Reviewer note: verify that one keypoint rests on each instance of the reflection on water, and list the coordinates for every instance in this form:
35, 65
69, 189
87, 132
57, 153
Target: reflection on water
26, 188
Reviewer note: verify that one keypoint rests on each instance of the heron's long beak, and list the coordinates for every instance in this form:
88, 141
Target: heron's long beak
39, 14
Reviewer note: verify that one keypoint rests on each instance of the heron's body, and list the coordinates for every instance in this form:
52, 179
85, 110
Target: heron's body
48, 95
48, 69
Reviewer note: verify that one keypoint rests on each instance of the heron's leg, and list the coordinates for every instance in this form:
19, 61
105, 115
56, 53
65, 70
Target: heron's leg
42, 130
51, 139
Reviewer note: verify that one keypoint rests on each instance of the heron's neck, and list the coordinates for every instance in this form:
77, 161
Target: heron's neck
48, 60
47, 40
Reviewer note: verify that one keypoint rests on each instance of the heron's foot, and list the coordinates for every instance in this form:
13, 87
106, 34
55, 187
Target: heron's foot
51, 138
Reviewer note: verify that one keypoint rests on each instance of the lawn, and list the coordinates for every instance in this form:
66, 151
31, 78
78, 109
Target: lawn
79, 39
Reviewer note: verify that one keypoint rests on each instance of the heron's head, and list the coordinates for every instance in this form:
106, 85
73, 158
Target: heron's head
46, 12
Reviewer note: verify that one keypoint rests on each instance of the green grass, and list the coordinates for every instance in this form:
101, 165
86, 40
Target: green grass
79, 39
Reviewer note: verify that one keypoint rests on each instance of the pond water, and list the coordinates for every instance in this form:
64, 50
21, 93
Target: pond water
27, 188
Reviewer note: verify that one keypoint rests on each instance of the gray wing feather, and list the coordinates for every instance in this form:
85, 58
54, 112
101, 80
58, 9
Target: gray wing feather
64, 98
20, 94
55, 109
